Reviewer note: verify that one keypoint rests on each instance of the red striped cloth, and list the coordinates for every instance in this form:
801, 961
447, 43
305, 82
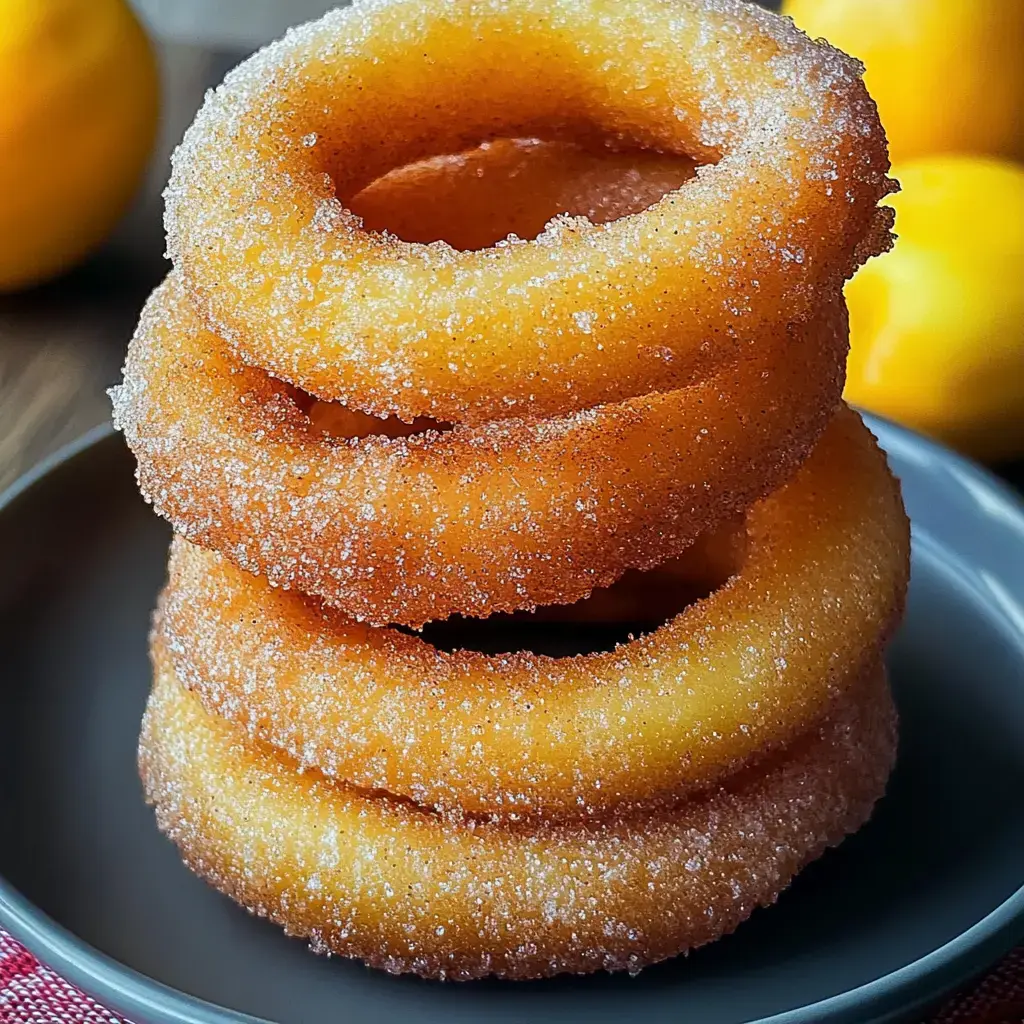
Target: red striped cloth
32, 994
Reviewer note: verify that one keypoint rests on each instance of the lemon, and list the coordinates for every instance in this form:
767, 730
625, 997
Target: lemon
947, 75
937, 324
79, 99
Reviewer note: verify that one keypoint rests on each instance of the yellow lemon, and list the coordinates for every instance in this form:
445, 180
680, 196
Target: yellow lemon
947, 75
937, 324
78, 112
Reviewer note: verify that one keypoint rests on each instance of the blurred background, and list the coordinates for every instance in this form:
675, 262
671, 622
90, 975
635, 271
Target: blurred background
95, 93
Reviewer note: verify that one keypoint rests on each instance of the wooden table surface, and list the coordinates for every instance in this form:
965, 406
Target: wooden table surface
60, 348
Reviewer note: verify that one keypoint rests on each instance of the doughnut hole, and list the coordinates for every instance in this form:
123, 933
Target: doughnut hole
637, 604
515, 187
332, 419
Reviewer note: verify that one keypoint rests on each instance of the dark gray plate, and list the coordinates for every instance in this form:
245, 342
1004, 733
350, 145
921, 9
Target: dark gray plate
926, 896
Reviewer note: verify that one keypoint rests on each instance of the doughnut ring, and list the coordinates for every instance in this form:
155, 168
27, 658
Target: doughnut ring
408, 891
471, 520
742, 671
782, 210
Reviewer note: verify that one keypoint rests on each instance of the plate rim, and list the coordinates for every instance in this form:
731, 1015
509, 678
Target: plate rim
146, 1000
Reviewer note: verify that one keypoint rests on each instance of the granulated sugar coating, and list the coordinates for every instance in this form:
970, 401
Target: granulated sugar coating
495, 517
364, 875
747, 669
480, 306
781, 212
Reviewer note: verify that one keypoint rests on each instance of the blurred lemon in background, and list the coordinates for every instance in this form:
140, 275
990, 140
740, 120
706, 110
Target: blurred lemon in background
937, 324
947, 75
79, 100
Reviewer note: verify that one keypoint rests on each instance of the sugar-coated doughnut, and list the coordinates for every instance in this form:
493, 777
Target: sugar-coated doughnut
476, 519
409, 891
783, 207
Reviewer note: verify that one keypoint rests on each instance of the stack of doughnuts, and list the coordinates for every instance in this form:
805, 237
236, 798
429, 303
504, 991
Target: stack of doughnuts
504, 313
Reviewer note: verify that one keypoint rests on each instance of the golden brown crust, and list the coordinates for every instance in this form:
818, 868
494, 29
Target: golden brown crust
408, 891
785, 205
473, 520
736, 674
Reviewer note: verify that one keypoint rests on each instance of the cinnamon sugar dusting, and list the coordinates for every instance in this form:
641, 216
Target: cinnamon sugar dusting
491, 306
